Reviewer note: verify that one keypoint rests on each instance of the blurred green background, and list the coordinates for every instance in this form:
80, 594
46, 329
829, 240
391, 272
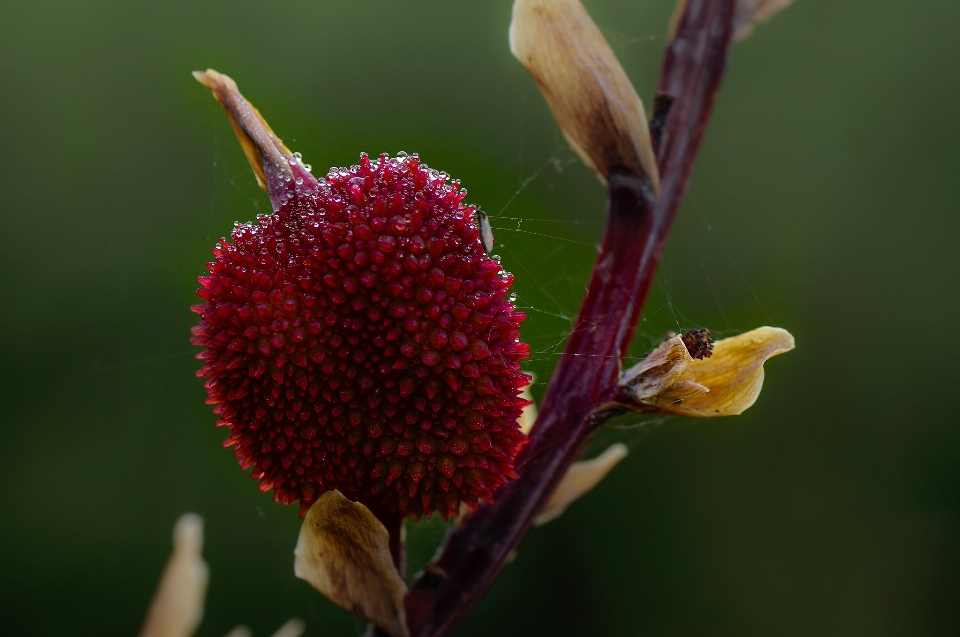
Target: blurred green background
825, 201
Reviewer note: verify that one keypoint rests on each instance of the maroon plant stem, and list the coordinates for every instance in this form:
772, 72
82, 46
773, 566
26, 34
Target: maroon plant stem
587, 374
394, 525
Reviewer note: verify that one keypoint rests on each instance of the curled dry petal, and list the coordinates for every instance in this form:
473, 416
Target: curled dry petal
749, 13
343, 552
590, 95
581, 477
177, 606
660, 369
670, 381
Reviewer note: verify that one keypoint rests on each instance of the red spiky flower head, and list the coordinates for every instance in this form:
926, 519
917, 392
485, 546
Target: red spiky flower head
359, 338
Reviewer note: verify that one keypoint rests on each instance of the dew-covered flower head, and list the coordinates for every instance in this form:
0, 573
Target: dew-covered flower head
360, 339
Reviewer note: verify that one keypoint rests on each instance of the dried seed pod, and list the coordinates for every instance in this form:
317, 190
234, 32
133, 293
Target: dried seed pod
589, 94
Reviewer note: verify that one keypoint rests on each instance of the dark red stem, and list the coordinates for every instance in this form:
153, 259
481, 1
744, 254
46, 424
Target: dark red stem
587, 374
394, 525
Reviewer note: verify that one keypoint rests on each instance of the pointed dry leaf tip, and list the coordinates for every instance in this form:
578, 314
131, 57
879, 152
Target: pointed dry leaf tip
264, 150
343, 552
177, 606
749, 13
581, 477
727, 383
591, 98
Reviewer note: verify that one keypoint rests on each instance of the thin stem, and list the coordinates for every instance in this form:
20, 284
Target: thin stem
587, 374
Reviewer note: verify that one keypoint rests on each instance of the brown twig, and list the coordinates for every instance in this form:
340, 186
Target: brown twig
587, 374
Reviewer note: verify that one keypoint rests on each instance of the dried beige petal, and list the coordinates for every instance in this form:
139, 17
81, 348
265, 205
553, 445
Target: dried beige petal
293, 628
581, 477
264, 150
733, 375
343, 552
749, 13
240, 631
590, 95
529, 415
177, 606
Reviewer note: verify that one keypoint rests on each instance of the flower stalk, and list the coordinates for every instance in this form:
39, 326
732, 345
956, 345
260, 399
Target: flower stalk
587, 374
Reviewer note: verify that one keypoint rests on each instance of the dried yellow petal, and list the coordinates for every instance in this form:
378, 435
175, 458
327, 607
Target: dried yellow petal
588, 92
581, 477
749, 13
733, 375
177, 606
343, 552
670, 381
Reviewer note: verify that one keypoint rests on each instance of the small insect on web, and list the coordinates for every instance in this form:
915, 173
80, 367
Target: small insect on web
486, 233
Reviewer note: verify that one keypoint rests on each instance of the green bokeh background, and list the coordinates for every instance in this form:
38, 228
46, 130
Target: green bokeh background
824, 201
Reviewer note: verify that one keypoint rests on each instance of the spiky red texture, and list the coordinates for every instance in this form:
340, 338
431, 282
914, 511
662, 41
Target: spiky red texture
359, 339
